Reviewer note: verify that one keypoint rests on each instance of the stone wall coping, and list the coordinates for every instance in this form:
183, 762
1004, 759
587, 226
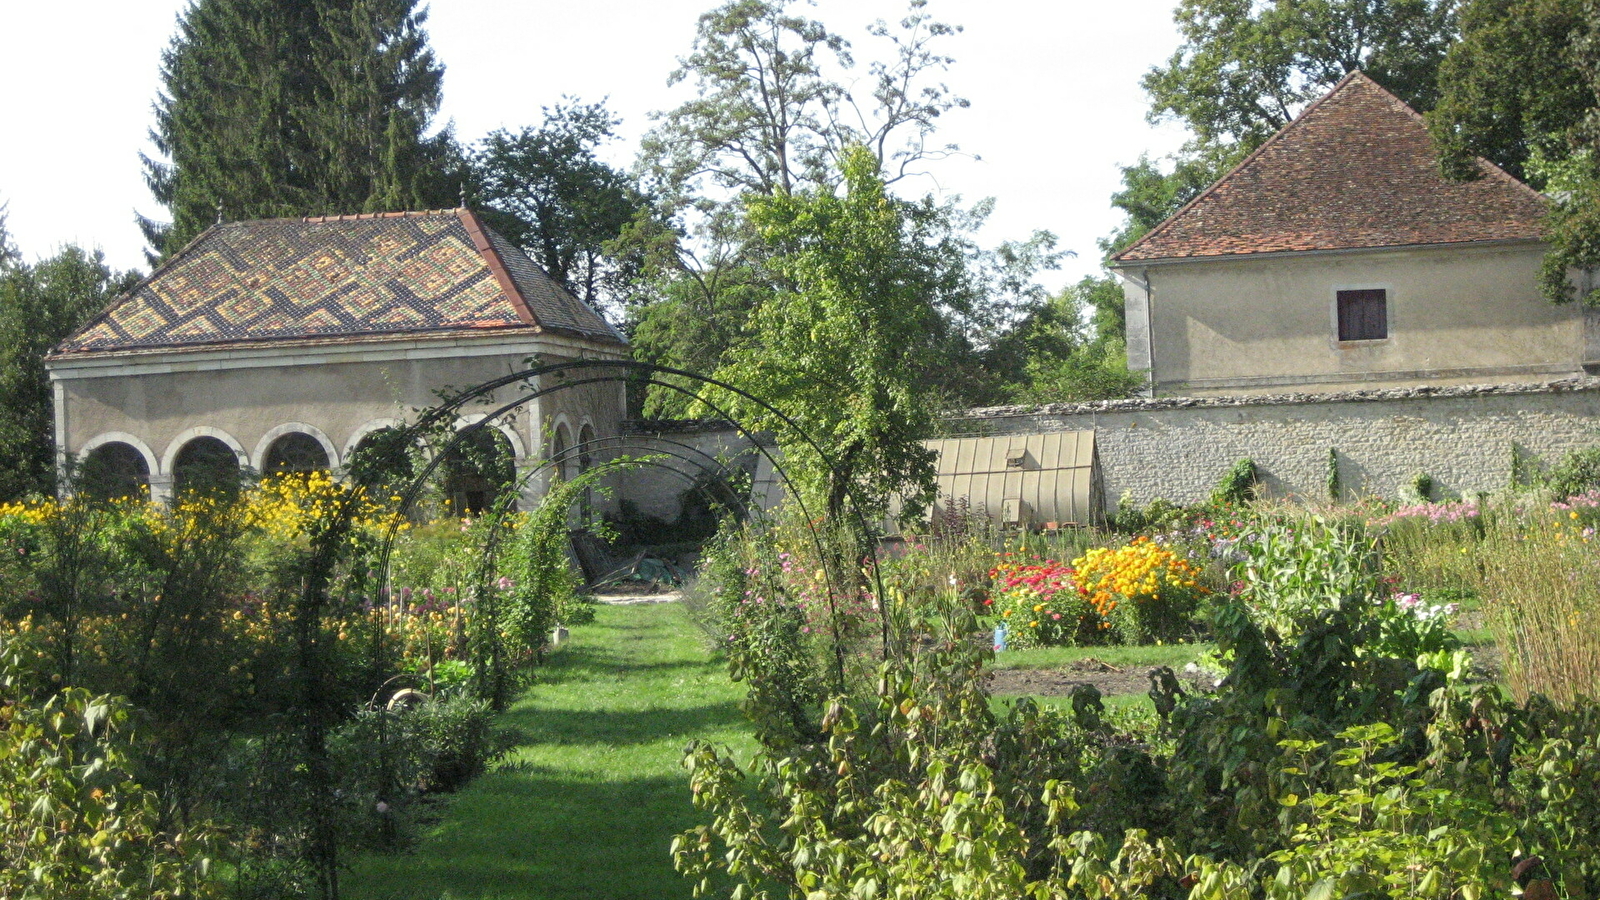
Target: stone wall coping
1152, 404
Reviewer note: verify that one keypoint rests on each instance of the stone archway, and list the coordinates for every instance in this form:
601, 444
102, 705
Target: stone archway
114, 470
206, 465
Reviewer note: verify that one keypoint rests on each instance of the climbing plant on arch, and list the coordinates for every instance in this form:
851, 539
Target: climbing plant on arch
369, 470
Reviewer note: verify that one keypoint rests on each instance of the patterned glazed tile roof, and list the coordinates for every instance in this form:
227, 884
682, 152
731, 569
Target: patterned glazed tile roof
1357, 169
350, 277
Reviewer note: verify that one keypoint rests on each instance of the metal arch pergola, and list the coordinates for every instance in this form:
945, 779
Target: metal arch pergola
329, 538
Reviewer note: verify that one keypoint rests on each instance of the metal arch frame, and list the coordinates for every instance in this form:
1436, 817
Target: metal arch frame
427, 422
451, 407
503, 507
329, 535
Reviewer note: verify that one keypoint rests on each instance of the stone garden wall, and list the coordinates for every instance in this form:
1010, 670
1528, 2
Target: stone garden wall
1178, 448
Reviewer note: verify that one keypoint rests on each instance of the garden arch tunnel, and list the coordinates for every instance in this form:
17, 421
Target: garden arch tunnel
367, 470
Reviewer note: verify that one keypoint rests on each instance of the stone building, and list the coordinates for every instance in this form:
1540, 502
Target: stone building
282, 344
1336, 257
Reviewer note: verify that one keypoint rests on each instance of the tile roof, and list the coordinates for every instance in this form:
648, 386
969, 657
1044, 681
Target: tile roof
1357, 169
333, 277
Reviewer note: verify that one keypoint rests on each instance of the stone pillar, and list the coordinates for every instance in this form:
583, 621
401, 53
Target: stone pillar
161, 487
534, 483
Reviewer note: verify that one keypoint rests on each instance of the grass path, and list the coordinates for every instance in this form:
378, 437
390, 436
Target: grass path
588, 802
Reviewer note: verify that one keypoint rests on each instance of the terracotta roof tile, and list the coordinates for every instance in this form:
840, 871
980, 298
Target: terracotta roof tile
1357, 169
334, 277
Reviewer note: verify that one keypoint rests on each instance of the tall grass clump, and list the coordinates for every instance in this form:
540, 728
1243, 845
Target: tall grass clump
1541, 593
1430, 546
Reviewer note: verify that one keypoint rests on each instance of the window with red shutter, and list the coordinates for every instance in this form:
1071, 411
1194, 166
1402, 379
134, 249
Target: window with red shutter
1364, 315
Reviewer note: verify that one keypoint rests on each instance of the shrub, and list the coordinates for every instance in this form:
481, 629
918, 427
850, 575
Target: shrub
73, 821
1144, 590
1419, 489
1578, 472
1040, 604
1294, 571
388, 758
1239, 484
1378, 830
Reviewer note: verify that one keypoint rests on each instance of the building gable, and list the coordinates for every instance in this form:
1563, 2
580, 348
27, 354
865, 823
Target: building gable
1356, 170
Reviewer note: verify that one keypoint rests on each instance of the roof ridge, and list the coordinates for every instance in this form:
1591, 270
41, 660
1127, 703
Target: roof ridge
1276, 137
497, 266
400, 214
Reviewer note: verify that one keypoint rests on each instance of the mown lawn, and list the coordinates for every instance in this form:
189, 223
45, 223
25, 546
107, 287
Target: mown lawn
589, 801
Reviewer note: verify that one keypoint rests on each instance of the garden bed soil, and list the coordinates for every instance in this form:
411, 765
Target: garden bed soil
1110, 680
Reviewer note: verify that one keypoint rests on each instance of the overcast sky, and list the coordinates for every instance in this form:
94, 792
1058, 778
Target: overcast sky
1054, 87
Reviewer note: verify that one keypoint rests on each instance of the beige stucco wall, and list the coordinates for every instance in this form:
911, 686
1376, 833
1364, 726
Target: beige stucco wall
1457, 315
681, 456
160, 402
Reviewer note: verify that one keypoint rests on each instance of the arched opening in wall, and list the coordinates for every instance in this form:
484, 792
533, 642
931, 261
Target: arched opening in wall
114, 470
560, 445
585, 461
295, 453
387, 454
206, 465
481, 467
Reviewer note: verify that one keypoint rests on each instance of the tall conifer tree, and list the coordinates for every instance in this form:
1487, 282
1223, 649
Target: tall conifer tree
295, 107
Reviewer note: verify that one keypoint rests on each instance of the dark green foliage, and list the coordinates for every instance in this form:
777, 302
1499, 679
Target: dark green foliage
1577, 473
288, 107
1068, 347
1149, 195
40, 304
387, 759
770, 120
1335, 485
690, 325
1238, 485
546, 190
1510, 90
1419, 488
1246, 68
1522, 89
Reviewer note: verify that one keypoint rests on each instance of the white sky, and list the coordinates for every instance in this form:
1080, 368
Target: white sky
1054, 87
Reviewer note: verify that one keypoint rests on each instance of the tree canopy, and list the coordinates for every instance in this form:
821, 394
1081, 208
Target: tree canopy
1522, 89
770, 116
295, 107
545, 189
846, 335
40, 304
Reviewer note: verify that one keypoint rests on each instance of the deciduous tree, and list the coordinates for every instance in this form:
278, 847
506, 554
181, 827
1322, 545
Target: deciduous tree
769, 116
1522, 89
546, 189
842, 343
39, 305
